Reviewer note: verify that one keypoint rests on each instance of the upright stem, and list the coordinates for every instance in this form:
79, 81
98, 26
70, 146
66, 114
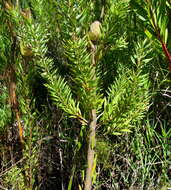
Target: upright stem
12, 84
91, 152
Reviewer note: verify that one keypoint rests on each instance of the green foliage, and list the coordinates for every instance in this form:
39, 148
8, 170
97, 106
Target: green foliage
84, 74
14, 178
74, 18
4, 109
61, 94
128, 97
103, 149
123, 76
4, 49
121, 112
113, 30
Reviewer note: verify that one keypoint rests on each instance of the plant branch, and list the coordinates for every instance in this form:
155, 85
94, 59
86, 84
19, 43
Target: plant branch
91, 152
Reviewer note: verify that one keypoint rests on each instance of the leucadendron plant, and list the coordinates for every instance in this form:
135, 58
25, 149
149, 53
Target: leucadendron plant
80, 94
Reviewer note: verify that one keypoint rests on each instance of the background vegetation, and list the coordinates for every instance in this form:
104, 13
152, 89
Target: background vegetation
64, 97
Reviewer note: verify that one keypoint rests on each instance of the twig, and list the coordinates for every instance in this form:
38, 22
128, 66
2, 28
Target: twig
3, 188
6, 171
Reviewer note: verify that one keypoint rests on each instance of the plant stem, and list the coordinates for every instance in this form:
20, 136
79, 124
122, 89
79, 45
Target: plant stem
12, 82
91, 152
